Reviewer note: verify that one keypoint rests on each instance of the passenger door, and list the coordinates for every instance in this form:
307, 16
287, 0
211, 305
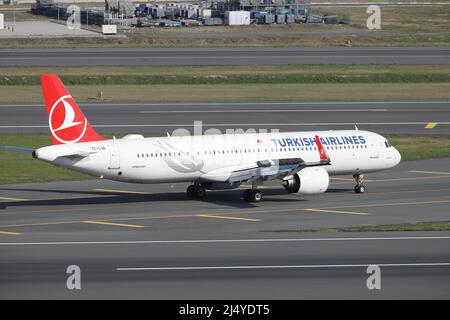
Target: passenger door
374, 148
114, 157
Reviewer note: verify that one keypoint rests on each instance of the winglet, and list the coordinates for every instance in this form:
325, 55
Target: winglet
324, 158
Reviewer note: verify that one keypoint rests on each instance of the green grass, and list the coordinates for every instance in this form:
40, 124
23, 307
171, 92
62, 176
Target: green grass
230, 79
419, 226
240, 92
261, 70
416, 148
19, 167
235, 83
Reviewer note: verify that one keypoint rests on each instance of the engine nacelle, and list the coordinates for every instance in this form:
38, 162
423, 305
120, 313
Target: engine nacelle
310, 180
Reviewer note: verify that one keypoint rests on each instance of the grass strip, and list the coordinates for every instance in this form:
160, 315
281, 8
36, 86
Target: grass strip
239, 92
230, 79
419, 226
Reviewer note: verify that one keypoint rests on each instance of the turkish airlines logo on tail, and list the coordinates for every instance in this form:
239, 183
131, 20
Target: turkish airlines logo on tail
65, 125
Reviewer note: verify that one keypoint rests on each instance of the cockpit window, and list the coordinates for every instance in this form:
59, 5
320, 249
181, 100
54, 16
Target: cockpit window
387, 144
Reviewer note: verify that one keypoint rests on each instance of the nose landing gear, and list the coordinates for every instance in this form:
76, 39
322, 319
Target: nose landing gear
359, 188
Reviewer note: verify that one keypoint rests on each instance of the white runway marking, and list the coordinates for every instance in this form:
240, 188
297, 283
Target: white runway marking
219, 241
234, 125
306, 266
242, 103
264, 111
223, 57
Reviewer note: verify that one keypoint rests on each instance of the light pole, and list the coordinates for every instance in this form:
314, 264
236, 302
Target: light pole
14, 15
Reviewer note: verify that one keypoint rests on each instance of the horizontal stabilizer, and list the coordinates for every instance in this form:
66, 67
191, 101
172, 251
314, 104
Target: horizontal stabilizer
75, 155
18, 149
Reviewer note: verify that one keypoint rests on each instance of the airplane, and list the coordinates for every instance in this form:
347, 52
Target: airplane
302, 161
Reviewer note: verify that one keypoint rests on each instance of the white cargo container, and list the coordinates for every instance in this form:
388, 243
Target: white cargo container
109, 29
191, 13
237, 18
206, 13
2, 21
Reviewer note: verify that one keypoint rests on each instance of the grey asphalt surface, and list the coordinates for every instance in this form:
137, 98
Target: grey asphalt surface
159, 118
408, 118
104, 226
221, 56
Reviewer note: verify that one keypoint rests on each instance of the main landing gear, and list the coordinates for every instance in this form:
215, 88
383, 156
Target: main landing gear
196, 191
359, 188
252, 195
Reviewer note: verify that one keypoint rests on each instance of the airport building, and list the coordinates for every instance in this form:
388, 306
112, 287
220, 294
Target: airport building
207, 13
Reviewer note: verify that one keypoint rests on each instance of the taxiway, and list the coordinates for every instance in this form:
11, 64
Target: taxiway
149, 241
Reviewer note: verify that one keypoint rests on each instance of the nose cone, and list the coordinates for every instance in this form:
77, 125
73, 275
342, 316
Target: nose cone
397, 157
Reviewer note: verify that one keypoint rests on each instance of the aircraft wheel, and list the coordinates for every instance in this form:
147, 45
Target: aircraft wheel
194, 191
190, 191
256, 196
200, 192
252, 195
360, 189
247, 195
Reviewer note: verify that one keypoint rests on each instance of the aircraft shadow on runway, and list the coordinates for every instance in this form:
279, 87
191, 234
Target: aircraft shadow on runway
228, 198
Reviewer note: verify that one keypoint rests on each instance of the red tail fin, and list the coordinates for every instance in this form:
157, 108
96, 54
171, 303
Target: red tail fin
66, 121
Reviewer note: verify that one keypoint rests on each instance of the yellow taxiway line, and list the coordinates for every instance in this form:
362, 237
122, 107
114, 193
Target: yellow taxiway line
431, 125
429, 172
10, 233
114, 221
13, 199
229, 218
114, 224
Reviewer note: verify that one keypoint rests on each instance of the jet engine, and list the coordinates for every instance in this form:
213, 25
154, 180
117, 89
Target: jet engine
310, 180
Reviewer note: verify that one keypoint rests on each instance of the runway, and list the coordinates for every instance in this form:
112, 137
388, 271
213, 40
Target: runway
220, 56
149, 241
159, 118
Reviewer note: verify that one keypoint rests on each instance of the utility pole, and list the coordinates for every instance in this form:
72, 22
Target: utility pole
14, 15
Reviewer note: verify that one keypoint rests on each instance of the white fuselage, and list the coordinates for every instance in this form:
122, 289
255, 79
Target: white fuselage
213, 157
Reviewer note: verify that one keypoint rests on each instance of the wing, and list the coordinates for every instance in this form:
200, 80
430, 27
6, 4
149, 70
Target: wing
266, 169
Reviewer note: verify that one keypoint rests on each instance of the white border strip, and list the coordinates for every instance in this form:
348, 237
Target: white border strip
311, 266
218, 241
233, 125
257, 103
